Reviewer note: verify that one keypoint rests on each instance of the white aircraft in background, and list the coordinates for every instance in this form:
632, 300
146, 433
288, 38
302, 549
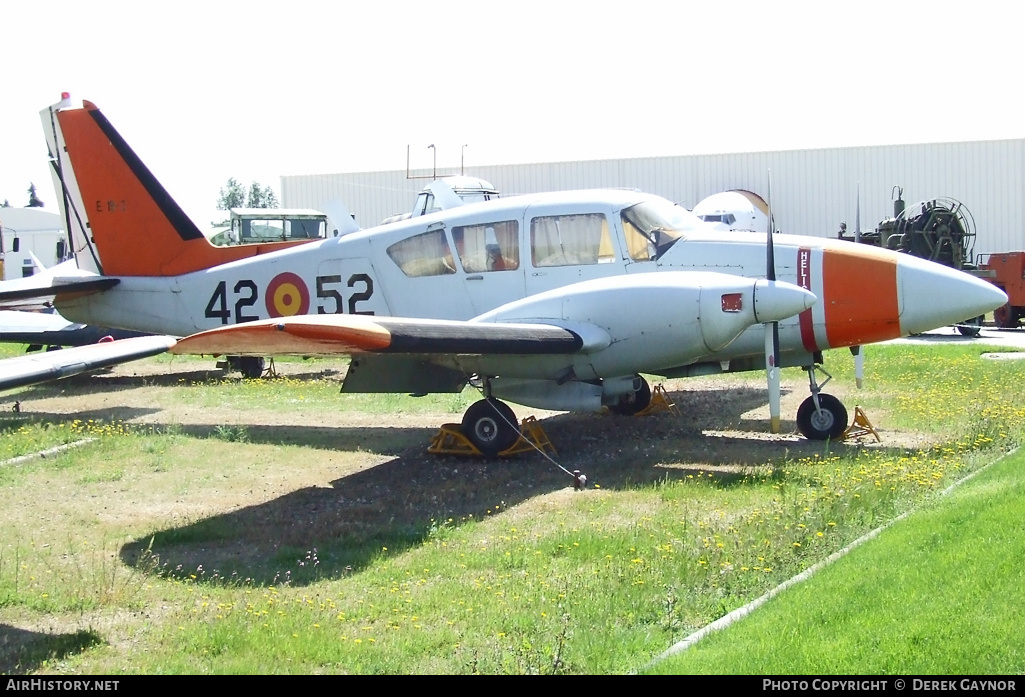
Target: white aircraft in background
556, 301
736, 209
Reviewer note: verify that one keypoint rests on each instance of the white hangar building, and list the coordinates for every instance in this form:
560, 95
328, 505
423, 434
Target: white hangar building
813, 191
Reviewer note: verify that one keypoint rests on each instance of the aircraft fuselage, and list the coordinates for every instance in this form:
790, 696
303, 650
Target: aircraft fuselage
465, 262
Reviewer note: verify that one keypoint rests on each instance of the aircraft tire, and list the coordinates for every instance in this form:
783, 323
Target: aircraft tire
630, 404
970, 327
490, 425
251, 366
827, 424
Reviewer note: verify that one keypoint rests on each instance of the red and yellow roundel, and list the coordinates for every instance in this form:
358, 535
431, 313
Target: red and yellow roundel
287, 295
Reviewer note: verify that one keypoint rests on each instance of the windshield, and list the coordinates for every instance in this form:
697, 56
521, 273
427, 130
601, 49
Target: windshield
654, 225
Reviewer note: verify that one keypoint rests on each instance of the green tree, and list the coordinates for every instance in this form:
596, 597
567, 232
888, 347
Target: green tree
232, 195
261, 196
33, 200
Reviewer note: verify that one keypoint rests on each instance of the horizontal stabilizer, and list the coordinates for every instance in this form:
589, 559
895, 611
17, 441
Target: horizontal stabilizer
53, 365
311, 335
51, 287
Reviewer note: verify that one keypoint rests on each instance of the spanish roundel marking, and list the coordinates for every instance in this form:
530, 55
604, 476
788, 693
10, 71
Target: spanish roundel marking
287, 295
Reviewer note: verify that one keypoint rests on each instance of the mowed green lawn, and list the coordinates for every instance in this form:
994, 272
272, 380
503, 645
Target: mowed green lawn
939, 592
316, 545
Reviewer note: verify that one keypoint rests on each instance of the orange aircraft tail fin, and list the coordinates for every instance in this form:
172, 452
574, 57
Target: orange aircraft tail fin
137, 228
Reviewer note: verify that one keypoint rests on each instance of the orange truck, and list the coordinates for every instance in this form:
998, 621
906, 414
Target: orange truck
1006, 270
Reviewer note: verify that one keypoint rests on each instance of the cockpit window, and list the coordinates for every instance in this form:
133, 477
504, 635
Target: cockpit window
427, 254
653, 226
727, 218
476, 196
424, 204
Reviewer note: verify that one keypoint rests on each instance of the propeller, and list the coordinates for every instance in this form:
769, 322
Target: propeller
857, 351
771, 328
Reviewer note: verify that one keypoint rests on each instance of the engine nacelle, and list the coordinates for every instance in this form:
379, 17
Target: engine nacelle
549, 394
568, 396
651, 321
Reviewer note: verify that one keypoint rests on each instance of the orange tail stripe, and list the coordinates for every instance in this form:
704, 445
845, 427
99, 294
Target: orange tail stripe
138, 228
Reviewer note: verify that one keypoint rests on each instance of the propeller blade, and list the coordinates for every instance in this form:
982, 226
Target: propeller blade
859, 355
770, 254
857, 217
772, 374
859, 365
771, 328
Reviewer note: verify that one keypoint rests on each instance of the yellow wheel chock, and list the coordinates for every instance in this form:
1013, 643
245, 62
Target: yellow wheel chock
659, 403
861, 426
451, 441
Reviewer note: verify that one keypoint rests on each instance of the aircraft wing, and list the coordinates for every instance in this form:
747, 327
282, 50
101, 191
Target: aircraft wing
53, 365
312, 335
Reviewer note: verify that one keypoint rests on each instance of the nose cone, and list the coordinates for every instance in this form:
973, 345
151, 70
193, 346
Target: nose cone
934, 296
776, 300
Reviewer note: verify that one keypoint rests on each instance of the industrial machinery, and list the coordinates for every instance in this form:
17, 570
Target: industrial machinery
940, 230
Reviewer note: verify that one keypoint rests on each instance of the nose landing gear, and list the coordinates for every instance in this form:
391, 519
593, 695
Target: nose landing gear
821, 416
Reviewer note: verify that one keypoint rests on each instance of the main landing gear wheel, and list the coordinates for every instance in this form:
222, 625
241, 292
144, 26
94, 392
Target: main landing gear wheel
970, 327
827, 423
250, 366
630, 404
491, 426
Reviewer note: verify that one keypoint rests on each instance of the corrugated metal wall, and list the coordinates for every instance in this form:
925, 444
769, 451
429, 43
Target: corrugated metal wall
812, 190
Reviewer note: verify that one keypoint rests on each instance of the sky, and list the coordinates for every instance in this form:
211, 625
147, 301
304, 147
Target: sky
254, 90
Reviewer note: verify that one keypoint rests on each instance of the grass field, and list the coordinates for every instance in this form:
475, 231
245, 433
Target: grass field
218, 526
938, 594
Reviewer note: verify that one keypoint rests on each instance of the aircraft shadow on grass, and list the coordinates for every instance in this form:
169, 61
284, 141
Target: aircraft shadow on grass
105, 381
395, 504
23, 650
103, 415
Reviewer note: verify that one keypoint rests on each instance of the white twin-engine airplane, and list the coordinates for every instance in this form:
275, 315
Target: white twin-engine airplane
556, 301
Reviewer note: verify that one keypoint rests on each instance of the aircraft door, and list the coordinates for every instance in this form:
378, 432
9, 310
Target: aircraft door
571, 247
489, 256
420, 278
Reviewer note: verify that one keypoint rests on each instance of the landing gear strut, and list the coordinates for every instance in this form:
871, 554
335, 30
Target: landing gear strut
821, 416
250, 366
633, 402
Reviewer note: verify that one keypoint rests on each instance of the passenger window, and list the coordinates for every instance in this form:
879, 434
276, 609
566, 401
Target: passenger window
424, 255
567, 240
488, 247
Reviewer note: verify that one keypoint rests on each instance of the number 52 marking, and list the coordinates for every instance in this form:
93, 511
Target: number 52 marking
335, 297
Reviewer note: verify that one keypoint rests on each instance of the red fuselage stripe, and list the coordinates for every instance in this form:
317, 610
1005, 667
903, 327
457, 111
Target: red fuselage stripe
804, 280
